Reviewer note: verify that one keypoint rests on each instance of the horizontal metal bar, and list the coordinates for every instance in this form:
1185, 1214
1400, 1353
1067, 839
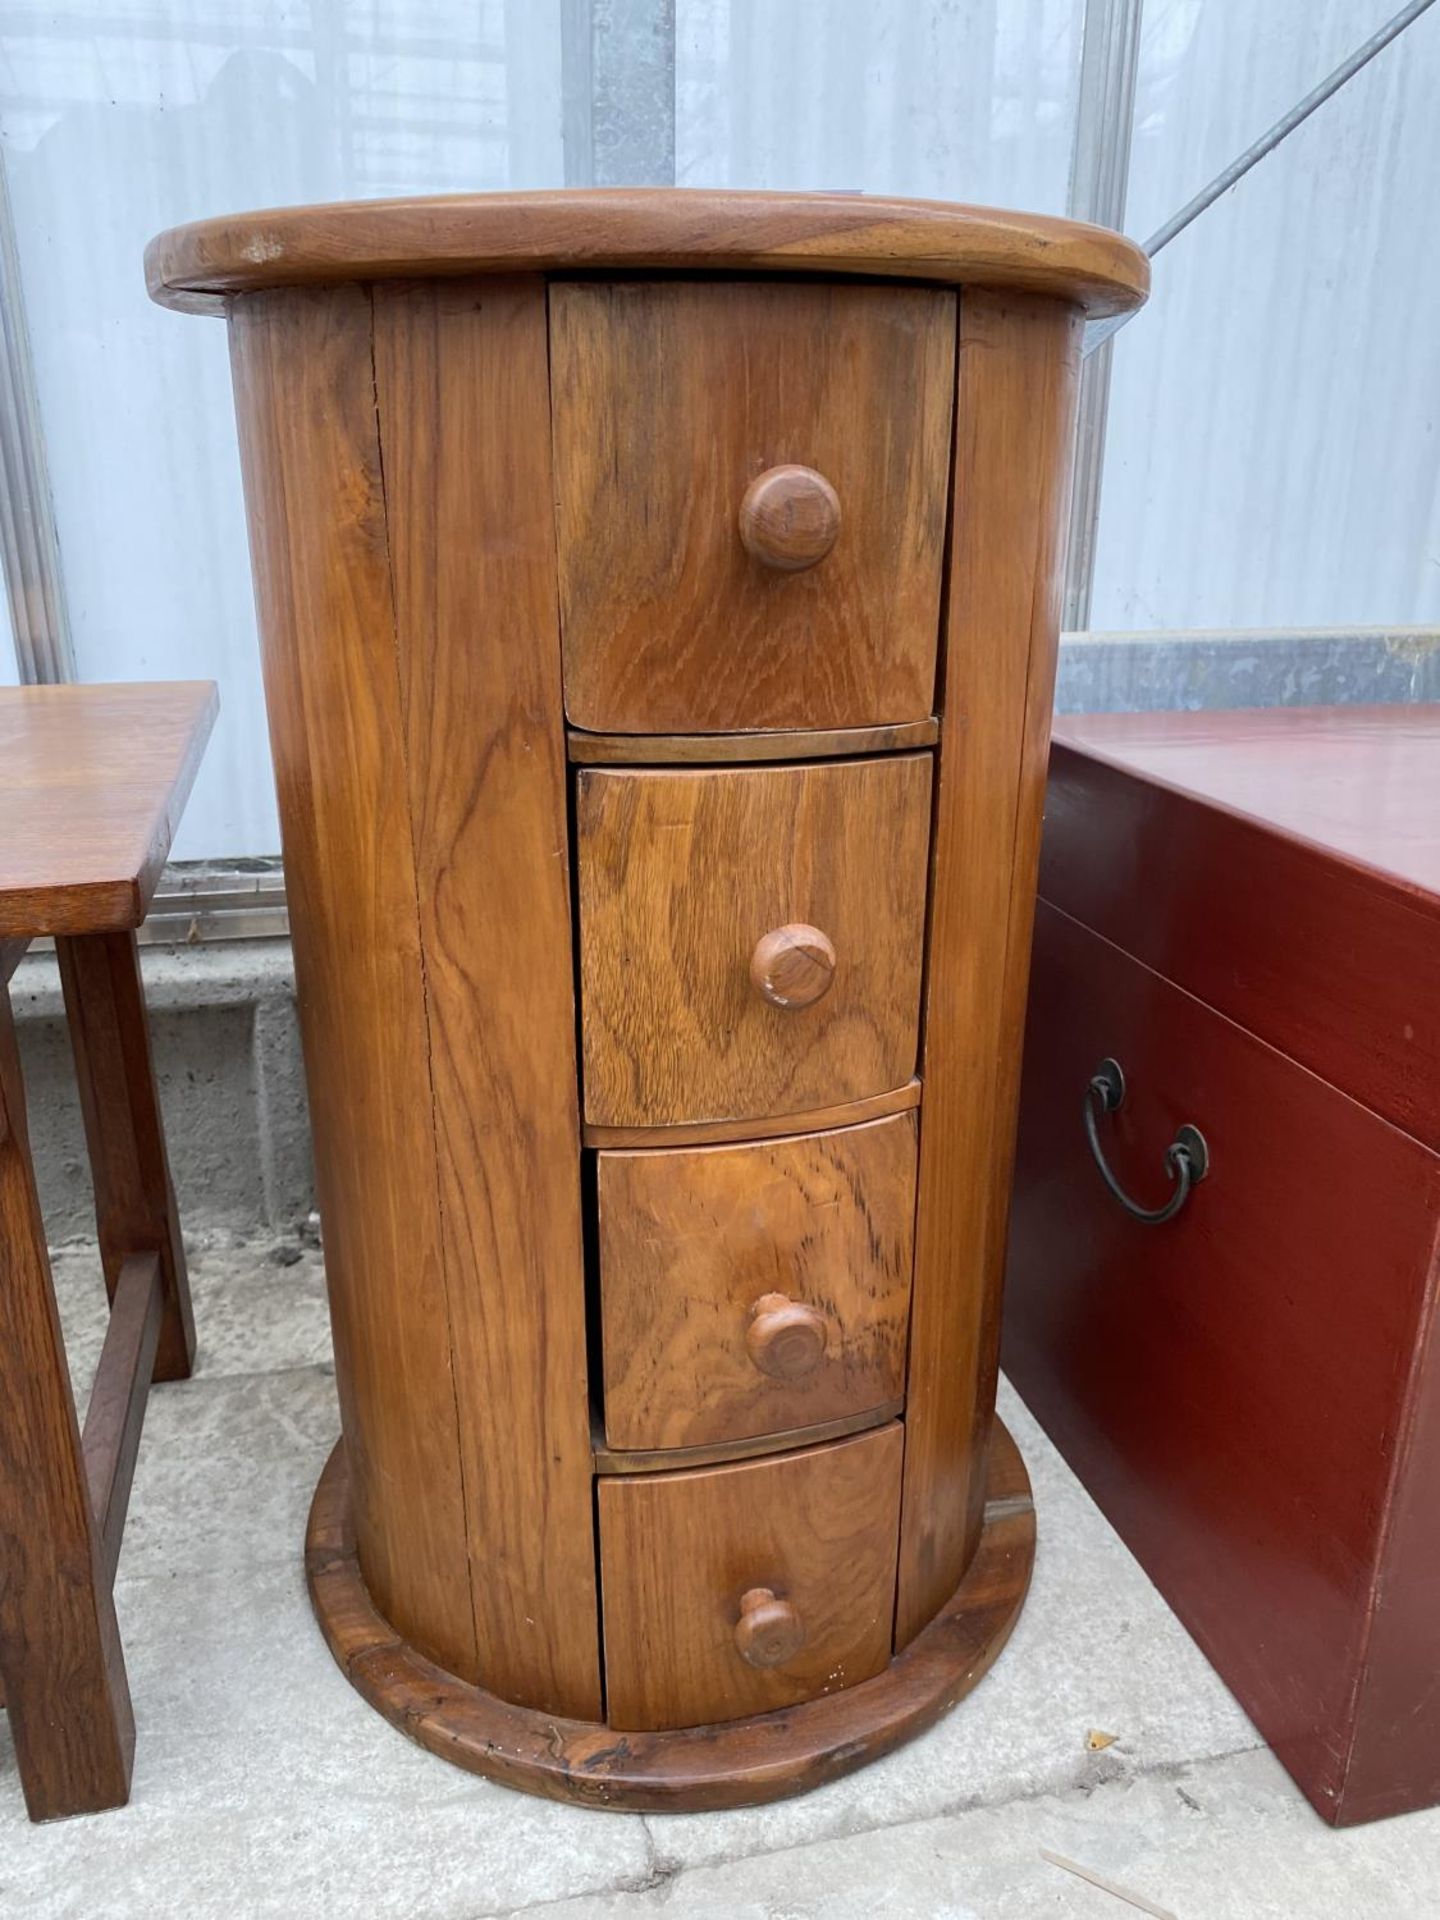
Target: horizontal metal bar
1099, 331
215, 900
1402, 639
189, 929
1285, 125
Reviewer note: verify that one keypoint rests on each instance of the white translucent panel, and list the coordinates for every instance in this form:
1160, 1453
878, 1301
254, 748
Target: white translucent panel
944, 99
1273, 458
122, 117
9, 672
1214, 75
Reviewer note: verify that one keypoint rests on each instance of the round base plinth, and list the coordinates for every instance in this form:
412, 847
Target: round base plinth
692, 1769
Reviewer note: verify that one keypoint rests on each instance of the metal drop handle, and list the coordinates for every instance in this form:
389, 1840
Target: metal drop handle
1187, 1158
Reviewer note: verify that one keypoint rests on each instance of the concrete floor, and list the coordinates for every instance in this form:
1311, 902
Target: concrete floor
264, 1786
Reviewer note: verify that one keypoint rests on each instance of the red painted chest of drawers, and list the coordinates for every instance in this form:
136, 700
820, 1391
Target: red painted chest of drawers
1243, 910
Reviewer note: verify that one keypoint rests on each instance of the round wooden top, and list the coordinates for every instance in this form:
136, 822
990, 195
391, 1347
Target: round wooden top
645, 229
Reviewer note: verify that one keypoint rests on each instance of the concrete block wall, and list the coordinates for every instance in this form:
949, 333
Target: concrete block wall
227, 1057
1148, 673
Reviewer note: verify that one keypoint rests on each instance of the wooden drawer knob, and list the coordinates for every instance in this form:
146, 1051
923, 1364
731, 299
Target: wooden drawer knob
769, 1631
785, 1338
789, 518
793, 966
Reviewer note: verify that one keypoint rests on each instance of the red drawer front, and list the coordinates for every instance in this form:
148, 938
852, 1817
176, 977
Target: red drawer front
1336, 964
1230, 1386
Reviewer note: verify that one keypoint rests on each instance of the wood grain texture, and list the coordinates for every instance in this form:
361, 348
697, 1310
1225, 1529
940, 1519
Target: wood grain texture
1306, 841
715, 1133
790, 518
305, 401
769, 1632
110, 1439
792, 967
691, 1241
448, 557
682, 872
676, 1459
466, 1383
462, 392
439, 543
1238, 1389
60, 1658
786, 1338
1015, 410
12, 952
670, 398
697, 1769
93, 781
663, 749
677, 1552
135, 1209
192, 268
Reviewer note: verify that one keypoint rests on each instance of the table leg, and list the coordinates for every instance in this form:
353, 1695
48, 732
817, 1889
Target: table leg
134, 1201
60, 1656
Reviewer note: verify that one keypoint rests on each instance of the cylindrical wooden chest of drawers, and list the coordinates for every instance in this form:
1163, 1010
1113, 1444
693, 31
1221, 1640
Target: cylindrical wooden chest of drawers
659, 602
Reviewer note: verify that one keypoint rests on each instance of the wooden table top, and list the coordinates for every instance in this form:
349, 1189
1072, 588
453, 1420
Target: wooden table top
642, 229
1363, 782
93, 781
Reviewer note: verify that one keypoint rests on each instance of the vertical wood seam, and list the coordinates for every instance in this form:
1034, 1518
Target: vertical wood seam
997, 1199
1051, 532
940, 700
943, 1412
1428, 1332
312, 497
403, 748
940, 703
589, 1214
1041, 584
554, 505
1010, 833
940, 694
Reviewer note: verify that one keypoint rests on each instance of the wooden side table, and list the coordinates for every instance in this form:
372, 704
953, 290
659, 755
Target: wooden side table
659, 605
92, 784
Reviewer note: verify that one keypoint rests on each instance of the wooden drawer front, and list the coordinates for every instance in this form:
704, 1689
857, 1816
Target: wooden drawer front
1229, 1385
686, 881
670, 401
754, 1289
679, 1552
